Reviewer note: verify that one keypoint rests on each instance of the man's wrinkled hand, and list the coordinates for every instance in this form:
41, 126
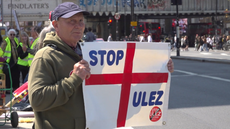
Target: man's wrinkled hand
170, 66
82, 70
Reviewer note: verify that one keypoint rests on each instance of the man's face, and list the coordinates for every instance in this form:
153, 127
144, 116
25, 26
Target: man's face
70, 29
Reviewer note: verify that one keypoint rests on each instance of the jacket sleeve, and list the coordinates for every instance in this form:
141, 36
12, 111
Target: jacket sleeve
21, 54
45, 91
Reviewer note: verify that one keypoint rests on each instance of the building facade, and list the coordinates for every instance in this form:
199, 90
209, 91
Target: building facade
157, 10
29, 12
36, 12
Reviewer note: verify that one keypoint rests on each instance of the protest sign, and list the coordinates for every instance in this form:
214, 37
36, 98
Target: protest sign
129, 84
16, 19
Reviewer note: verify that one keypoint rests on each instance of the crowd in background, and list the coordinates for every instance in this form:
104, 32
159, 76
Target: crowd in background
17, 50
138, 38
201, 42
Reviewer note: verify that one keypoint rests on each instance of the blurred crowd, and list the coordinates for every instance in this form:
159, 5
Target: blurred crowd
201, 43
17, 51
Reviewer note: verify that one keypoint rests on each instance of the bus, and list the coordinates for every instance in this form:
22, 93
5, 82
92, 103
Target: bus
200, 29
150, 27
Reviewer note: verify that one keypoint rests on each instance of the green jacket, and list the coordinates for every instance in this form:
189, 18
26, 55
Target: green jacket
55, 95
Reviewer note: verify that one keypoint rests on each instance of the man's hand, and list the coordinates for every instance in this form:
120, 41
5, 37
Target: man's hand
170, 65
82, 70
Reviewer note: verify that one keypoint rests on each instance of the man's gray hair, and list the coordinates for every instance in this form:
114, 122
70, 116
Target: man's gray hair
42, 36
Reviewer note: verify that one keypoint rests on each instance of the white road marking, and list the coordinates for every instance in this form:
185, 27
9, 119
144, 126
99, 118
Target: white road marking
206, 53
206, 76
189, 73
223, 54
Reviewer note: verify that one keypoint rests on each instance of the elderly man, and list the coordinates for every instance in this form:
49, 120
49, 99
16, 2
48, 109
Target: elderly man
56, 73
55, 77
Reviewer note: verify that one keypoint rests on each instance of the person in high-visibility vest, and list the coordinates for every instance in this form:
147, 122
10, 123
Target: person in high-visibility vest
1, 61
23, 59
34, 33
9, 47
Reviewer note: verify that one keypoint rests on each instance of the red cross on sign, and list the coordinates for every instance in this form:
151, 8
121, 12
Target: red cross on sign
126, 79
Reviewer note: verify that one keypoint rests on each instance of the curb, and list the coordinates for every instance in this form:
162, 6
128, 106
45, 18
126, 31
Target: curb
202, 59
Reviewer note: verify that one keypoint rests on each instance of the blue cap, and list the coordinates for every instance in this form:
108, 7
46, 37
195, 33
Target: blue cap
67, 10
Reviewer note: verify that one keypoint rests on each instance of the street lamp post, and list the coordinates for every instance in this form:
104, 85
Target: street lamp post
132, 18
177, 30
117, 21
11, 22
216, 21
125, 18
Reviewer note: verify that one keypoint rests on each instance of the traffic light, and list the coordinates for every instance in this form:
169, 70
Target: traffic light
219, 23
110, 21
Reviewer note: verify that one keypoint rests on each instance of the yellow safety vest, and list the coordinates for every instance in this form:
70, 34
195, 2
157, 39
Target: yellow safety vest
30, 56
1, 52
7, 52
22, 62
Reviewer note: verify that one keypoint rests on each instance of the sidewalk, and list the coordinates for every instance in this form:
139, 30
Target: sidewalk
8, 123
218, 56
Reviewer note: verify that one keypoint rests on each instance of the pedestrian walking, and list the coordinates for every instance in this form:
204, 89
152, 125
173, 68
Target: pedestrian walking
209, 42
182, 43
142, 38
150, 37
110, 38
90, 36
204, 46
186, 42
220, 44
196, 42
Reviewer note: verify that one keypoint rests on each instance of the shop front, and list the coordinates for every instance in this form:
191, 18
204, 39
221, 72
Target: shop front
29, 12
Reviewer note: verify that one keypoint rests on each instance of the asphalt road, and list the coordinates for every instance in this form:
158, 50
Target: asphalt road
199, 96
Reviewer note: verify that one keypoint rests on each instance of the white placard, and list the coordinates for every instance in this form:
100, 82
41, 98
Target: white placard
129, 84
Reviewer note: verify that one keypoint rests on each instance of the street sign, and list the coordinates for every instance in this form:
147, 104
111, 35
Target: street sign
133, 23
117, 16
